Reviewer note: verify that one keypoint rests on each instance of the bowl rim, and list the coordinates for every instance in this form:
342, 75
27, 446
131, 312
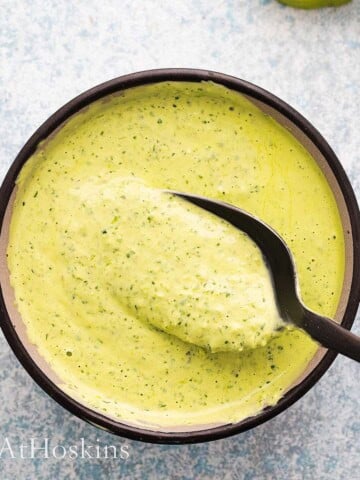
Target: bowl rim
193, 75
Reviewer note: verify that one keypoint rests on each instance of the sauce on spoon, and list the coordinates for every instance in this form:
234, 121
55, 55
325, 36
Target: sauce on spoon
205, 281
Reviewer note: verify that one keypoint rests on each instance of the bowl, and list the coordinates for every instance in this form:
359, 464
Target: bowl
15, 331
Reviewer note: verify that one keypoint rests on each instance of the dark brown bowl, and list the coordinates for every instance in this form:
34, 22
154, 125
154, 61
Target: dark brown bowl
15, 331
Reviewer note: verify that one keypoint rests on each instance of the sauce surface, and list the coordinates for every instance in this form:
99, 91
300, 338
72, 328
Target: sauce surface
74, 250
176, 266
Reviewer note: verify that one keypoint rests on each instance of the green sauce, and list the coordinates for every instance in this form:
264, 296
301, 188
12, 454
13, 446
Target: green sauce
176, 266
95, 265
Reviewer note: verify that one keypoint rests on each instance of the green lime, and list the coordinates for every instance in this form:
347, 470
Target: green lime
313, 3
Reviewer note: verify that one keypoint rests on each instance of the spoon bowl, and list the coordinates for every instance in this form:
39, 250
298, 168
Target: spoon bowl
283, 272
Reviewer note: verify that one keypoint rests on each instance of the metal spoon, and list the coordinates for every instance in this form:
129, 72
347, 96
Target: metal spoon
282, 268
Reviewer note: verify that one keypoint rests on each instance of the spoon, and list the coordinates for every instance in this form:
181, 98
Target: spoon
281, 264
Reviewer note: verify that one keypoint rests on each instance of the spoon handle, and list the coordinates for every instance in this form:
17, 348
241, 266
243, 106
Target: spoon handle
331, 335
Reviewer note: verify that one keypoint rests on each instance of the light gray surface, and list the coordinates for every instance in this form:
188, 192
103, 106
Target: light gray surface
51, 51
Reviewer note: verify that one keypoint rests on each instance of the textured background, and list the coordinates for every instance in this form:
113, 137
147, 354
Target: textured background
52, 50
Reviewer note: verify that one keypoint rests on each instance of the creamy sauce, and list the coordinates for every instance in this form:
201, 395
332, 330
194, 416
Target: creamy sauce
86, 239
174, 265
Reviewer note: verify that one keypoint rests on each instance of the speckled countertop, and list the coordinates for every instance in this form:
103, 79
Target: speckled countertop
51, 51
